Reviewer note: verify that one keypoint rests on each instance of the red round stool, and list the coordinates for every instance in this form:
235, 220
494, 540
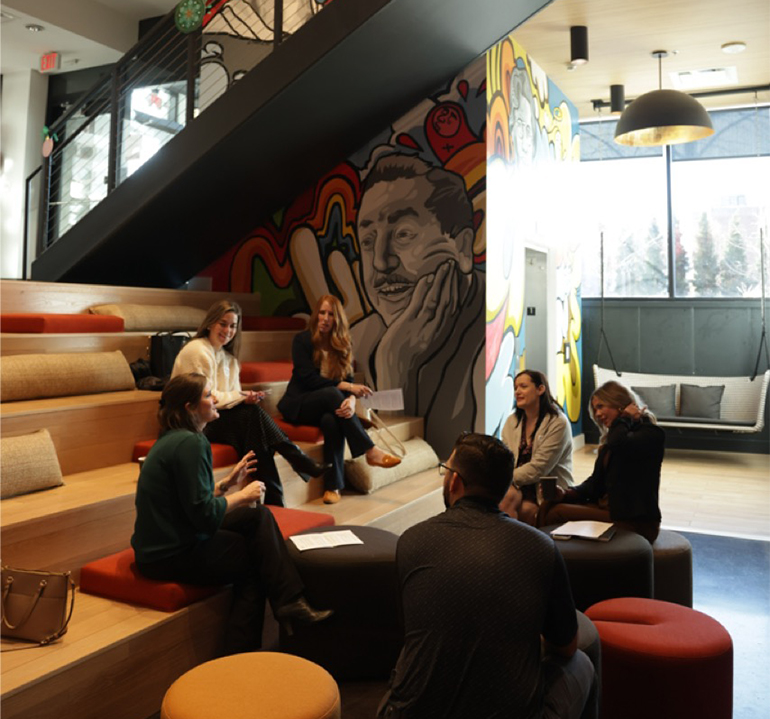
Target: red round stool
662, 660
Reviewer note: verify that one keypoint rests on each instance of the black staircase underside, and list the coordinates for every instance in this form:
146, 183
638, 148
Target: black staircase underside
319, 97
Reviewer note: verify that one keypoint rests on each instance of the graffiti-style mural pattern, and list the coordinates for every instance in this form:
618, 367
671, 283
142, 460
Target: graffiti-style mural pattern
532, 143
398, 232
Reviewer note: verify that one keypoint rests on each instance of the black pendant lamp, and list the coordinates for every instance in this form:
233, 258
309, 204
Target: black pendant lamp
663, 117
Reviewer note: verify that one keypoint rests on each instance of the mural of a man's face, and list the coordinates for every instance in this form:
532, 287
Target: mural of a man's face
523, 131
402, 241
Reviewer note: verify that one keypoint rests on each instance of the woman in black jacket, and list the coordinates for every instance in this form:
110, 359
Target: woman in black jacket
623, 488
322, 393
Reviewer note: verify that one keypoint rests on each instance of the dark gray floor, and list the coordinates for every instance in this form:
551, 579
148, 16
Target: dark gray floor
731, 582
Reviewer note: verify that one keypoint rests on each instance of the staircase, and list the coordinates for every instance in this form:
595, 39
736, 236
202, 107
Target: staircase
318, 97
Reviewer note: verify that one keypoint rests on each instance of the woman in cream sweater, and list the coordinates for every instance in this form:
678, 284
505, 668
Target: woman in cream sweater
242, 422
539, 435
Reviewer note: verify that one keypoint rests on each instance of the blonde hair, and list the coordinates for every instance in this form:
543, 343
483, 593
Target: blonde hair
617, 396
340, 347
216, 312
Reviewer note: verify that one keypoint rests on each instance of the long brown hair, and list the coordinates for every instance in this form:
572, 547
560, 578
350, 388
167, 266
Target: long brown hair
216, 312
340, 345
180, 391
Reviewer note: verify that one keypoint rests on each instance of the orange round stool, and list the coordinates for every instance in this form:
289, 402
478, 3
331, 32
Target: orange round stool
264, 685
662, 660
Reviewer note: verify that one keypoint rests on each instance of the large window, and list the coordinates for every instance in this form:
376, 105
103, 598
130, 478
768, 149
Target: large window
720, 199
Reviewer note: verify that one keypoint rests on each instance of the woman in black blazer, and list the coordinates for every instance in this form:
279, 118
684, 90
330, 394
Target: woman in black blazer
322, 393
623, 488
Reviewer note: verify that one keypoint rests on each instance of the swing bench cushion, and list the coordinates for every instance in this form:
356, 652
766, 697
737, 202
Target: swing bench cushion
720, 403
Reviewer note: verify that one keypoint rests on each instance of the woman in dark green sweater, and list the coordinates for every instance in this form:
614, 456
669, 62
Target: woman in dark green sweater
189, 530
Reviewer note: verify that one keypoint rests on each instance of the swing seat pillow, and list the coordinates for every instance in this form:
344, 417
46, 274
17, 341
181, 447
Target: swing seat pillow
661, 401
695, 402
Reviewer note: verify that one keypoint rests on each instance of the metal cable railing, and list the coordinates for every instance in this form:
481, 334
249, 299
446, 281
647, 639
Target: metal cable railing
163, 83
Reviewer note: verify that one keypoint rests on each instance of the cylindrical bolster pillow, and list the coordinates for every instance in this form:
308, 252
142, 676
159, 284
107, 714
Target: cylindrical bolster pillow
153, 317
28, 463
59, 375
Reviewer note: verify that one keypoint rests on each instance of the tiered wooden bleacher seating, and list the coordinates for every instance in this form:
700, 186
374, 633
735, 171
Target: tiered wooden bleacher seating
117, 659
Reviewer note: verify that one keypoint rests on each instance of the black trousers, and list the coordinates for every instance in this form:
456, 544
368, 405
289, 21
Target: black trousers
248, 427
318, 411
249, 553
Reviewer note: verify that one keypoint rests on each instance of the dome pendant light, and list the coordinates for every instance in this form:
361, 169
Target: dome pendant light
663, 117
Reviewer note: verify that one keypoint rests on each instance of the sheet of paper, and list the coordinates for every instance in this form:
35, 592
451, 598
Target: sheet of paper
389, 400
592, 530
325, 540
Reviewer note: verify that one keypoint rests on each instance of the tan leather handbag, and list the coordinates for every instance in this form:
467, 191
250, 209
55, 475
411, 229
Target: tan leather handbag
35, 604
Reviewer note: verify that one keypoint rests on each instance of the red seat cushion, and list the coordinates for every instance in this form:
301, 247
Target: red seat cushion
273, 323
223, 454
40, 322
265, 372
685, 656
294, 521
300, 432
116, 576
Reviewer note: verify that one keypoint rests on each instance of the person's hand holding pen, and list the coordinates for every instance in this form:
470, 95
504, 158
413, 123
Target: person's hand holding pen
252, 397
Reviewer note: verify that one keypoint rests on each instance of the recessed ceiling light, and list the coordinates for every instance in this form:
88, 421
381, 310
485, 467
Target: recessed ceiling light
733, 48
34, 28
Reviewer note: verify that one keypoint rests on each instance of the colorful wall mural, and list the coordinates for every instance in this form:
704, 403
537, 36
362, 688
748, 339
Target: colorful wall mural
532, 148
398, 233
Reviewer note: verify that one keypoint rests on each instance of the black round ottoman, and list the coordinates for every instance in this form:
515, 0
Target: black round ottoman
360, 583
589, 642
621, 567
672, 566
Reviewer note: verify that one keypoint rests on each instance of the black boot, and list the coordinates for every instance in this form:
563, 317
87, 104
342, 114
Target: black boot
300, 611
303, 465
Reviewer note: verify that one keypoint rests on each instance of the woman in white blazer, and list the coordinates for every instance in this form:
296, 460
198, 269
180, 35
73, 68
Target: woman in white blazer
540, 437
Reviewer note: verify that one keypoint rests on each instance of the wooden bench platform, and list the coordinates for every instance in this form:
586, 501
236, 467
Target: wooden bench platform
88, 431
116, 660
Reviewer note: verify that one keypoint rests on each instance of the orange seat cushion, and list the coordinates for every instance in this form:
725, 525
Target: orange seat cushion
39, 322
265, 372
223, 454
265, 324
116, 576
256, 685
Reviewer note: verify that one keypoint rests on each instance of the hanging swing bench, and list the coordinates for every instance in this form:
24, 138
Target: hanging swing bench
735, 404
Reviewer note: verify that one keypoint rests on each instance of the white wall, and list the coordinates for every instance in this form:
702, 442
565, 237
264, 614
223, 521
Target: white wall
22, 117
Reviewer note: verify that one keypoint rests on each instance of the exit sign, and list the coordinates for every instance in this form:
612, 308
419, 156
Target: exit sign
50, 61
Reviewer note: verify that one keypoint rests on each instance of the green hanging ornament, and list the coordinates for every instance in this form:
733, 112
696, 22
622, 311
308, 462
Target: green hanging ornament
188, 15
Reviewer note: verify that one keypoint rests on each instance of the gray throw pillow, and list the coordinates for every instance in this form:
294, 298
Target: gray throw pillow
698, 401
661, 401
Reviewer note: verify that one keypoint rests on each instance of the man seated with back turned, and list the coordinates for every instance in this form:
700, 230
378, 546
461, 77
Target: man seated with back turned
480, 591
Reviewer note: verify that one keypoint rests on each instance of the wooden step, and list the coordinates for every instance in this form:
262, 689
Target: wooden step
88, 431
68, 298
92, 514
116, 660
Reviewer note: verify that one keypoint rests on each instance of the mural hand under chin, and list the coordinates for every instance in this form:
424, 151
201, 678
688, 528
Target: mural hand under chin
411, 339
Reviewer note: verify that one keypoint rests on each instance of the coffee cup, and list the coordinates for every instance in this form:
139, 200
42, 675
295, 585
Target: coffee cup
546, 489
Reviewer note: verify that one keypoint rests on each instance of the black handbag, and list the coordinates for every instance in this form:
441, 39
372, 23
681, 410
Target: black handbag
164, 347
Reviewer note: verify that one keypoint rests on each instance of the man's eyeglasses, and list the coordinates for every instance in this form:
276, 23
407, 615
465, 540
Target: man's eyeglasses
444, 468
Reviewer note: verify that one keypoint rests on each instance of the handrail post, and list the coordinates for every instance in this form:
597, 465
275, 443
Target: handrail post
278, 23
43, 211
193, 60
112, 158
